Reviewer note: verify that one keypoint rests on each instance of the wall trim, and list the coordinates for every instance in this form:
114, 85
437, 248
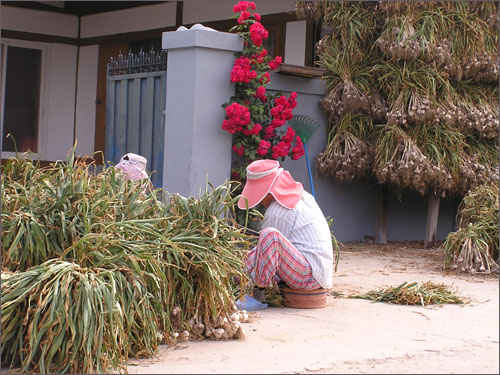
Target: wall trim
221, 25
35, 37
301, 71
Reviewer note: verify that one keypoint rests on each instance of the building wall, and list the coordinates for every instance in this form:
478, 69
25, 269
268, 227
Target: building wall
86, 96
199, 11
406, 217
37, 21
61, 74
141, 18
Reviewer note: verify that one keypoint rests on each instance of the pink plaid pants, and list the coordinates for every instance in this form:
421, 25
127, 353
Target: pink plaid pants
275, 258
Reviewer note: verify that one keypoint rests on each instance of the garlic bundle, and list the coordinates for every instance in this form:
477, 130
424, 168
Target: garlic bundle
438, 53
225, 327
346, 159
353, 100
397, 114
472, 259
480, 68
332, 104
472, 173
483, 118
419, 108
407, 167
346, 98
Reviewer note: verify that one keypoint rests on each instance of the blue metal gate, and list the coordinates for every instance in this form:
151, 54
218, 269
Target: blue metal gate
135, 109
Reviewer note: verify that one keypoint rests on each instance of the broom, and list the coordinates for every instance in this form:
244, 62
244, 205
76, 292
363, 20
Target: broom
304, 127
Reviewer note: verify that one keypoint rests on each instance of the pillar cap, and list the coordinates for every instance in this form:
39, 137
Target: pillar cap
205, 38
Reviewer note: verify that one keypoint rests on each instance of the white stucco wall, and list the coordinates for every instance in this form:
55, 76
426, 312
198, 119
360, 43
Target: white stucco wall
199, 11
40, 22
61, 77
85, 105
295, 43
146, 17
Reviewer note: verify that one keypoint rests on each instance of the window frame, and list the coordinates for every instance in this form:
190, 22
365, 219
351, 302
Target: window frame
43, 101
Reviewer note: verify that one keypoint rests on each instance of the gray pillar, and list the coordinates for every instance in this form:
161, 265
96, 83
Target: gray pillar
197, 150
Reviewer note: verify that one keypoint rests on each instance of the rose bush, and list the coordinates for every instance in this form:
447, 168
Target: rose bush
254, 116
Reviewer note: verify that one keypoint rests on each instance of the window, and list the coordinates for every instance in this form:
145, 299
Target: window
21, 93
275, 42
313, 36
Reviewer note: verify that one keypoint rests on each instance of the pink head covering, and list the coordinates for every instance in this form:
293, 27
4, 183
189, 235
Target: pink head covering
266, 176
133, 166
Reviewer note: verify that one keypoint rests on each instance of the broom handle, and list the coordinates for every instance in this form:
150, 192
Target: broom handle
309, 170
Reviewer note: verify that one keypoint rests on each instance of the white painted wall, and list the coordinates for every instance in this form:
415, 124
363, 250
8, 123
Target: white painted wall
199, 11
37, 21
295, 43
85, 105
61, 77
142, 18
274, 6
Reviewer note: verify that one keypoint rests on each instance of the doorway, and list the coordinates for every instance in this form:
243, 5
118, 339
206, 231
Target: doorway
106, 51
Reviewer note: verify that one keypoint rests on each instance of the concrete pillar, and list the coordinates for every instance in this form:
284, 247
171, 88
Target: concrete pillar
197, 150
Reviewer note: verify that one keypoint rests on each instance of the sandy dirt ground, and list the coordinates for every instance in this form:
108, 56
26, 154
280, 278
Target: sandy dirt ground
352, 336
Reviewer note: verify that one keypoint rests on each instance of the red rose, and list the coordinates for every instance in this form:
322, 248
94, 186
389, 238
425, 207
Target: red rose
274, 64
289, 136
263, 147
287, 114
237, 117
239, 150
256, 129
258, 33
269, 132
242, 5
243, 16
298, 150
241, 70
261, 93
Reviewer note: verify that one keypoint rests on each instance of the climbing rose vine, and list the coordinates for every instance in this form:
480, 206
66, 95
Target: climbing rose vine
254, 116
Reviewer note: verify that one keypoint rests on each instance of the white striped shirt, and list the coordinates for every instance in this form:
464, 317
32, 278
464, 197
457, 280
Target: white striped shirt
306, 228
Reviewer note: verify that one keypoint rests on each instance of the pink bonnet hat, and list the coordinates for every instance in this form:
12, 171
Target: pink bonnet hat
133, 166
266, 176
